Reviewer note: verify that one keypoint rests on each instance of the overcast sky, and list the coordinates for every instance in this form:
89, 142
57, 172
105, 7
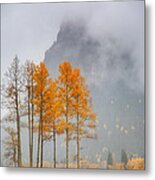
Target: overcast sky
28, 30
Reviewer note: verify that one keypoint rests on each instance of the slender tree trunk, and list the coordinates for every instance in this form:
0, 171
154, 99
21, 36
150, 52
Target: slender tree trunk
31, 150
19, 144
42, 148
54, 141
18, 127
66, 146
67, 135
38, 149
29, 125
14, 156
14, 152
78, 142
41, 121
32, 119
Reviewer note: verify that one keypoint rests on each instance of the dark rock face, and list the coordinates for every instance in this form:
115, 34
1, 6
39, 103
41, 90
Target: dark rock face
73, 44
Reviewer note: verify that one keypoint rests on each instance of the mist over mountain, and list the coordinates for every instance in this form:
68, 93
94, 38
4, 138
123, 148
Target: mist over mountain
101, 59
114, 74
73, 44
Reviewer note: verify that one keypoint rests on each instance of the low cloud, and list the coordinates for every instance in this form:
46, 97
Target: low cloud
103, 56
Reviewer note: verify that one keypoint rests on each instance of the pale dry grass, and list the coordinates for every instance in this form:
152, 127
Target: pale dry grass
133, 164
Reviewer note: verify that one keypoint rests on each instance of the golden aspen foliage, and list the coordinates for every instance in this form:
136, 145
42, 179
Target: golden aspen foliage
83, 107
40, 99
40, 87
53, 106
135, 164
82, 110
66, 82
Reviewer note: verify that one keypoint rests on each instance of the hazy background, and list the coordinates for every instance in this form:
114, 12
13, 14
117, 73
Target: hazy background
104, 39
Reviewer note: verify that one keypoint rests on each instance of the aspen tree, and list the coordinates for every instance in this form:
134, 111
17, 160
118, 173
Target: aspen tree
65, 87
40, 98
84, 115
12, 95
29, 70
53, 112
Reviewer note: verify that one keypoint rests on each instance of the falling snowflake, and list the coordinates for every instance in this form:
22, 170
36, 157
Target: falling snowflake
105, 126
126, 131
117, 126
133, 127
122, 128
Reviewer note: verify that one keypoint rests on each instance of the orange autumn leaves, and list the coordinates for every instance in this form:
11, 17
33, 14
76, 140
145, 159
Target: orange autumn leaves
63, 105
